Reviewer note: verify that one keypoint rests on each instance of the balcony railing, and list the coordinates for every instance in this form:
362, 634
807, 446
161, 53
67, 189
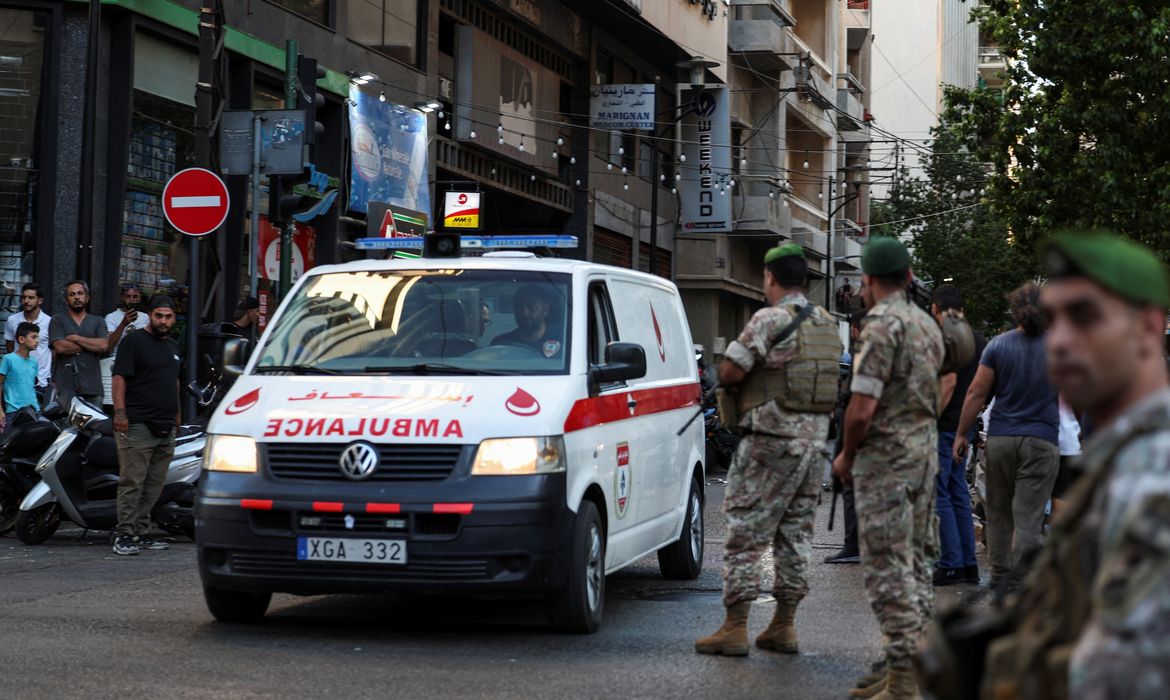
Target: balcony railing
991, 56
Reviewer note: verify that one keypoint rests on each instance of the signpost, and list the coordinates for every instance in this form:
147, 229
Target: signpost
195, 201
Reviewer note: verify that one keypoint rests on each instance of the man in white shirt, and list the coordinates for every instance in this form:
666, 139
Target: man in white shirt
31, 299
129, 301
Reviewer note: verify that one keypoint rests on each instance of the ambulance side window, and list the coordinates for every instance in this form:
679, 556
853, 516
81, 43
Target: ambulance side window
602, 329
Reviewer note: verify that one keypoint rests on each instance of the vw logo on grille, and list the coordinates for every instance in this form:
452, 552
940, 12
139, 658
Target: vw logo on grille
358, 461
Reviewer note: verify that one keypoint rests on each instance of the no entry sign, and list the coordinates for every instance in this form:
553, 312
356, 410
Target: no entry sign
195, 201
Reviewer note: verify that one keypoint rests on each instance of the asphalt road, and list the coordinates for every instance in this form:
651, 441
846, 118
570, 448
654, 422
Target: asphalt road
79, 622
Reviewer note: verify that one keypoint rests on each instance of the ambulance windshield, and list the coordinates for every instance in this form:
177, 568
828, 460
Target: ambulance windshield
424, 322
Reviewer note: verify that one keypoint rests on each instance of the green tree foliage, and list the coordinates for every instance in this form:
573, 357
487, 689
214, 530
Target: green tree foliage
1079, 135
954, 234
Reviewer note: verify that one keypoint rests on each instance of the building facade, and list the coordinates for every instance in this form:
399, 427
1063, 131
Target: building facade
798, 71
546, 172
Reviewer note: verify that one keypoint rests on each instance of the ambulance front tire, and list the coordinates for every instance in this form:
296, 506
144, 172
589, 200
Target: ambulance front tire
682, 560
227, 605
577, 607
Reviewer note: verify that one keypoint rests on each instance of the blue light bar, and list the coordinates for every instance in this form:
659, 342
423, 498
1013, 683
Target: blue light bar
472, 242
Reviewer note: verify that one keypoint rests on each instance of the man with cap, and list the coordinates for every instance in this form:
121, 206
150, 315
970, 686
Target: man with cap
146, 415
772, 485
1093, 617
890, 453
246, 317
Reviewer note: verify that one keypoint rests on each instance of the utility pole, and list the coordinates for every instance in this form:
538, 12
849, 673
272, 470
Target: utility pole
84, 261
286, 227
207, 110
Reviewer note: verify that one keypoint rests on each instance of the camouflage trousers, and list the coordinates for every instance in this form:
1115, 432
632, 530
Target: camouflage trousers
898, 530
771, 498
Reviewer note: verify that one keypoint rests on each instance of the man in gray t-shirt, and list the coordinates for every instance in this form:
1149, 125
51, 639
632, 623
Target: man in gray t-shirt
79, 341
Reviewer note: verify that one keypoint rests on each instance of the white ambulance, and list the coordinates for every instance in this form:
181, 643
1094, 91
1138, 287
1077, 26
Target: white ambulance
502, 423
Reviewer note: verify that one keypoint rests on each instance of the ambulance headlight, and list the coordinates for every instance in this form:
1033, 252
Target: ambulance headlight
230, 453
532, 455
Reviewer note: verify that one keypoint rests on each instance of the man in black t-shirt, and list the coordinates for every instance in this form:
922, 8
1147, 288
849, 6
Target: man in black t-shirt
956, 530
531, 309
146, 415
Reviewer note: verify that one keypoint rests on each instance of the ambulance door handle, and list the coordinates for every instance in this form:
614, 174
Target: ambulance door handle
632, 404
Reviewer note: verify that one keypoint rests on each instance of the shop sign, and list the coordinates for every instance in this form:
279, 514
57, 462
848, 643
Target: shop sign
706, 173
621, 107
388, 221
195, 201
461, 210
388, 154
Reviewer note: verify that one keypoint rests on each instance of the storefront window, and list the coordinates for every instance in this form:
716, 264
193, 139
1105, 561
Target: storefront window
21, 62
386, 26
162, 142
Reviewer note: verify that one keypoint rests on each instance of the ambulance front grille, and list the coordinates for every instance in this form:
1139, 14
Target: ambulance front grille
320, 462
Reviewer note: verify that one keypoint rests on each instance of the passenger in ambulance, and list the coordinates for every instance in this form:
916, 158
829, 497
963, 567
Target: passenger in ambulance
530, 307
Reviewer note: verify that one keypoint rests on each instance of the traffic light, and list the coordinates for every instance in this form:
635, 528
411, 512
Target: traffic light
284, 201
308, 99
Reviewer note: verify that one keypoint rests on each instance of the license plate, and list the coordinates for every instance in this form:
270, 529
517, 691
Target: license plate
353, 551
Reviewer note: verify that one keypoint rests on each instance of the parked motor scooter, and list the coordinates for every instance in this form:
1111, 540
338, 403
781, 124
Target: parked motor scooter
26, 438
79, 479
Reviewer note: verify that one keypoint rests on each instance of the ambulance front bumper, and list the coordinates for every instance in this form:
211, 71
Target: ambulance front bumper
496, 534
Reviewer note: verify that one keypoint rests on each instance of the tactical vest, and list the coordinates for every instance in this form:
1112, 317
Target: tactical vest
808, 382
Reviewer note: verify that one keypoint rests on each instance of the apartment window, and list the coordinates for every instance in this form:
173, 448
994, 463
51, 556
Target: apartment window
390, 27
316, 10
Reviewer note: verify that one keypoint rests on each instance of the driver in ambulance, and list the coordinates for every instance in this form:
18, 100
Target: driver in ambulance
531, 306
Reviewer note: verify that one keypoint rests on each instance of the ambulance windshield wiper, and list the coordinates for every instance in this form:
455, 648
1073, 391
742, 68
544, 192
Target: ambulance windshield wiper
435, 368
294, 369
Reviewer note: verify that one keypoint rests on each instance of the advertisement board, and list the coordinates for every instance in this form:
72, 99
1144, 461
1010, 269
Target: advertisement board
388, 154
507, 99
706, 136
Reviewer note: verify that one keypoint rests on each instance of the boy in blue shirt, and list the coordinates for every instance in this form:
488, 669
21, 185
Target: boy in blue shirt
18, 373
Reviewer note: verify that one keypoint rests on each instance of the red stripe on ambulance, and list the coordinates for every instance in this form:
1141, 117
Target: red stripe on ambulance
599, 410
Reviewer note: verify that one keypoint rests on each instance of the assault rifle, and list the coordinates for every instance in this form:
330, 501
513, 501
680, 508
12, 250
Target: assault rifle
838, 487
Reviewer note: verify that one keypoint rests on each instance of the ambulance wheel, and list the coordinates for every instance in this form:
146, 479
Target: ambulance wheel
37, 525
682, 560
236, 606
577, 607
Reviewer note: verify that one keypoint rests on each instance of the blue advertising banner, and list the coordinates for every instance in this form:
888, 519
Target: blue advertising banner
388, 154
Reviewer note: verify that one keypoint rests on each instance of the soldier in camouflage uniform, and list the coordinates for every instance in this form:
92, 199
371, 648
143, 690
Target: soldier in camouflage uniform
772, 486
890, 452
1093, 617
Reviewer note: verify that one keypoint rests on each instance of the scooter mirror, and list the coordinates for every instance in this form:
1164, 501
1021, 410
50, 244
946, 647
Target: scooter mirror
235, 356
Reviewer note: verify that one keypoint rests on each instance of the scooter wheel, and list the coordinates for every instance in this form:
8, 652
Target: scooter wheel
37, 525
10, 497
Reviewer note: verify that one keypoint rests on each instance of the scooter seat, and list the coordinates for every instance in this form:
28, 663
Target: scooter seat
103, 427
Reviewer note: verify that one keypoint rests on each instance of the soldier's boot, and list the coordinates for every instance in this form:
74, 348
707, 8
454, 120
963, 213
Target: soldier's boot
877, 673
781, 633
731, 639
901, 685
873, 689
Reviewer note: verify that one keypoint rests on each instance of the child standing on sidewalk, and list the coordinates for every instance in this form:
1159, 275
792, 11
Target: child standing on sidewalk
18, 373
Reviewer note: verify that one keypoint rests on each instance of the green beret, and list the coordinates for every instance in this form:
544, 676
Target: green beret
783, 251
884, 255
1126, 268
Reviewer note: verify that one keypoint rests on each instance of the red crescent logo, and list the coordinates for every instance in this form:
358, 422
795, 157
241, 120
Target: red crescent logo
522, 403
243, 403
658, 334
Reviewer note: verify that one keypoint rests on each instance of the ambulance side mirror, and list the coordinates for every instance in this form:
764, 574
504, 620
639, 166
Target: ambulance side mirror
235, 356
623, 361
